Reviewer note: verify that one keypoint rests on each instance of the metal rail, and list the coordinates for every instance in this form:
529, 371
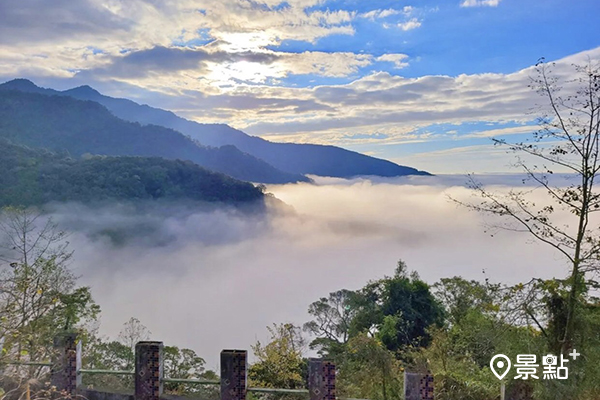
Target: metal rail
105, 372
31, 363
273, 390
192, 381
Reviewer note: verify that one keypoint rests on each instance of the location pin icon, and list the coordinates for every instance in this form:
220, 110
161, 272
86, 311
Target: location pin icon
498, 364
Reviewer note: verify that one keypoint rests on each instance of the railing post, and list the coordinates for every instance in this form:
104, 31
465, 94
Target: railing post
418, 386
1, 352
321, 379
233, 374
148, 370
64, 374
78, 364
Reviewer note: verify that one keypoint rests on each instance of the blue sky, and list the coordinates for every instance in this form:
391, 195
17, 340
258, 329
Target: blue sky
423, 83
455, 40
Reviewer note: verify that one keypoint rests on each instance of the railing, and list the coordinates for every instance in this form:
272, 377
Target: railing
66, 374
173, 380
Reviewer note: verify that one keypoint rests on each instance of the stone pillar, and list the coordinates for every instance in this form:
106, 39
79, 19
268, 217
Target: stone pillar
148, 370
321, 379
233, 374
64, 371
418, 386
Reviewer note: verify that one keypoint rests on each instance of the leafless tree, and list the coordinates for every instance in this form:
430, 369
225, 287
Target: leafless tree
567, 142
133, 331
38, 292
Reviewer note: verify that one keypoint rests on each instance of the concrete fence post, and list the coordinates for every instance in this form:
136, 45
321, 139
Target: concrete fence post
234, 374
418, 386
148, 370
321, 379
64, 370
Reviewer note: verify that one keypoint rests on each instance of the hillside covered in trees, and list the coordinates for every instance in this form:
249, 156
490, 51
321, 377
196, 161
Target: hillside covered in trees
34, 177
62, 123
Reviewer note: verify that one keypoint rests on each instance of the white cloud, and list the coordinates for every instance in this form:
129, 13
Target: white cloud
413, 23
408, 10
379, 102
399, 60
220, 66
384, 13
379, 13
480, 3
65, 33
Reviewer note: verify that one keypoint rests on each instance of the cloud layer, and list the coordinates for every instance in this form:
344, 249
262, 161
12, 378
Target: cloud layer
213, 279
298, 70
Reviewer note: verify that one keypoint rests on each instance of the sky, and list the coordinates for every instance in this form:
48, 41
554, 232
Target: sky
422, 83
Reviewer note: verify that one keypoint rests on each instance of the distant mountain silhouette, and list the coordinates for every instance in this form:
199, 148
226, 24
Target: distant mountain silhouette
64, 123
290, 157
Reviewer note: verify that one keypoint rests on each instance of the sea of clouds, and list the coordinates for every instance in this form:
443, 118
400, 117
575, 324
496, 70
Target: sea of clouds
210, 278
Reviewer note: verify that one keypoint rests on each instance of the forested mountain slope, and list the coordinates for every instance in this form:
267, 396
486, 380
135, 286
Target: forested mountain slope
64, 123
37, 176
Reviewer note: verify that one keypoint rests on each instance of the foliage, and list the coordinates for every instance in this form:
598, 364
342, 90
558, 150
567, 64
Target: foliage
368, 370
20, 388
332, 318
107, 355
179, 363
459, 353
186, 364
36, 177
459, 296
367, 332
133, 331
39, 296
399, 309
279, 363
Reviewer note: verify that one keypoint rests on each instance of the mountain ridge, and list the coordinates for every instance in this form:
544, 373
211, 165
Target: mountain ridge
323, 160
39, 118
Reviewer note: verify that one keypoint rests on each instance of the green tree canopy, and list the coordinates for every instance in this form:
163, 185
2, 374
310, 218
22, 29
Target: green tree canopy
279, 363
399, 309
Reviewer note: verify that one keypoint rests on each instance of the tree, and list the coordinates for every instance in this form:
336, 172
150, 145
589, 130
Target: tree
398, 310
368, 370
107, 355
279, 363
179, 363
186, 364
479, 325
460, 296
39, 296
332, 318
133, 331
568, 141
